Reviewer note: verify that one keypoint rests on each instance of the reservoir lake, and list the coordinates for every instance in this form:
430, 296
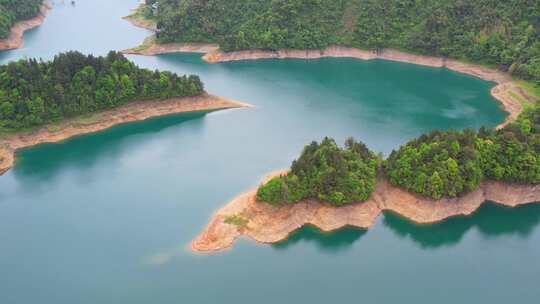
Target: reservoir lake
108, 217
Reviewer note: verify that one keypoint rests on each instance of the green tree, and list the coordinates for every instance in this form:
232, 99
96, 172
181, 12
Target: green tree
435, 186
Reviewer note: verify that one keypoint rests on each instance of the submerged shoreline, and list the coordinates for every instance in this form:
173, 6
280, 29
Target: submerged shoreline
15, 39
134, 111
507, 92
269, 224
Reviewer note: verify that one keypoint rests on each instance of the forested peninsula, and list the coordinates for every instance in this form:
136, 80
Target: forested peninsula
73, 94
18, 16
429, 179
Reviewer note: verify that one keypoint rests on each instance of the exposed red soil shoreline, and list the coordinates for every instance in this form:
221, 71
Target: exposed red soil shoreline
269, 224
15, 39
134, 111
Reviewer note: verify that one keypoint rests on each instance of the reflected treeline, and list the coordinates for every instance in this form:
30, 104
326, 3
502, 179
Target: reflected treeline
44, 162
490, 220
327, 241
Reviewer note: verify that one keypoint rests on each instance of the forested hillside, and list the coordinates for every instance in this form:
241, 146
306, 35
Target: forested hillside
252, 23
12, 11
500, 33
35, 92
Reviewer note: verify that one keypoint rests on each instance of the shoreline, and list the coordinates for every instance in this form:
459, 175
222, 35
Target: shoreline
140, 21
99, 121
268, 224
16, 36
506, 92
149, 47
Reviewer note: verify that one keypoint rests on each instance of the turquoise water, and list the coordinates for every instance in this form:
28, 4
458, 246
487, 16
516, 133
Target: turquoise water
106, 218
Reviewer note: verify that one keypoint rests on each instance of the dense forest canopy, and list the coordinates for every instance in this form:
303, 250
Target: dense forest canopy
437, 164
252, 24
36, 92
12, 11
325, 172
513, 153
500, 33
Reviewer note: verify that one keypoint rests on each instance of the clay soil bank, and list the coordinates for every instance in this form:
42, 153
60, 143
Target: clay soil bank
134, 111
15, 39
244, 216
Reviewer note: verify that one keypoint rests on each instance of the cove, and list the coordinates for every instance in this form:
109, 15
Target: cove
105, 218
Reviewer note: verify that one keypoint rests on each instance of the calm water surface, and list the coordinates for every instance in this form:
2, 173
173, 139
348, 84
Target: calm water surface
106, 218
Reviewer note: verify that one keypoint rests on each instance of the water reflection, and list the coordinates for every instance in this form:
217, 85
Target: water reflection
42, 163
491, 220
327, 241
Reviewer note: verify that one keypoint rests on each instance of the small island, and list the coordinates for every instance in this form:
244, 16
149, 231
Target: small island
74, 94
16, 17
429, 179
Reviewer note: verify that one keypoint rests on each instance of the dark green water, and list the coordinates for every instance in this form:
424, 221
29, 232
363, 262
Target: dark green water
105, 218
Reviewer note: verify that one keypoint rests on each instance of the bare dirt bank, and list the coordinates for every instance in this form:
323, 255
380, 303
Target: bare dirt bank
150, 48
510, 95
267, 224
134, 111
15, 39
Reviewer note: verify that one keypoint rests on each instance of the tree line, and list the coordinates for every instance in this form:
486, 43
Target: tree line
435, 165
35, 92
504, 34
12, 11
